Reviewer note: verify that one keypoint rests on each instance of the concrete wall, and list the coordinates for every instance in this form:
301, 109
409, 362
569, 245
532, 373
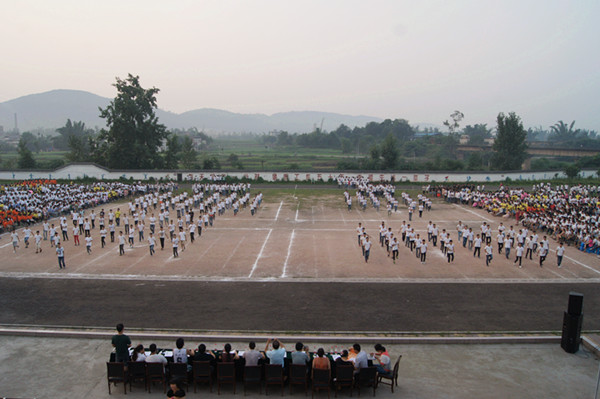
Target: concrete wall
74, 171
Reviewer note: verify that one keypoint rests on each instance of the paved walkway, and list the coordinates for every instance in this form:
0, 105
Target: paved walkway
43, 367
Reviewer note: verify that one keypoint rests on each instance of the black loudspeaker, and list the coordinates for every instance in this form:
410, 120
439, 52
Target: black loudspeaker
179, 177
575, 303
571, 332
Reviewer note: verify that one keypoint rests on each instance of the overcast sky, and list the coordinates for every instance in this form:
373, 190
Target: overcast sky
418, 60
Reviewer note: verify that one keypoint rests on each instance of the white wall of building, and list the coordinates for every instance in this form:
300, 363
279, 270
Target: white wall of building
82, 170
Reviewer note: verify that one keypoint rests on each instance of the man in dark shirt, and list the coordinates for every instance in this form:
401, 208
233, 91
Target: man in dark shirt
121, 343
201, 355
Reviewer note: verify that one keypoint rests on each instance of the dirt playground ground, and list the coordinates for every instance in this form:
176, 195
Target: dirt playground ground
295, 237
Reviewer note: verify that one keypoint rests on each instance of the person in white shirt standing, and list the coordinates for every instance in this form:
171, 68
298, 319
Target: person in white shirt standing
38, 242
27, 235
151, 242
423, 251
560, 252
543, 252
488, 254
450, 251
477, 247
88, 244
519, 251
367, 248
60, 252
15, 240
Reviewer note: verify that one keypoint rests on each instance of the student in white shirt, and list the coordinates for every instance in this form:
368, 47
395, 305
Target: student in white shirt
175, 243
500, 239
27, 235
60, 252
543, 252
151, 242
367, 248
15, 240
507, 247
477, 247
488, 254
38, 242
519, 251
88, 244
560, 252
394, 246
450, 251
121, 244
103, 237
423, 251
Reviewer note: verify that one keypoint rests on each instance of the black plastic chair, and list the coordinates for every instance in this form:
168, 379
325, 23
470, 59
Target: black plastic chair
344, 377
321, 379
392, 378
137, 372
273, 376
225, 375
115, 372
299, 376
155, 372
367, 377
202, 373
253, 375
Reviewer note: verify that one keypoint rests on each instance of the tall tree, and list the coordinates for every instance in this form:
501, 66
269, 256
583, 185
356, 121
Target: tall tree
510, 146
75, 137
389, 152
477, 133
134, 135
188, 153
563, 132
26, 160
172, 154
456, 117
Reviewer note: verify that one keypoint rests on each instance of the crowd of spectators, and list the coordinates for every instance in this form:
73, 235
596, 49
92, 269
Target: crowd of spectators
570, 214
32, 201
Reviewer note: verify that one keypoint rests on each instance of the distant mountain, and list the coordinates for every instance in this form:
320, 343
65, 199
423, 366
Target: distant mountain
51, 110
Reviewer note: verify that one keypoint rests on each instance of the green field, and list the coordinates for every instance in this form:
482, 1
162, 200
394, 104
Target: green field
257, 156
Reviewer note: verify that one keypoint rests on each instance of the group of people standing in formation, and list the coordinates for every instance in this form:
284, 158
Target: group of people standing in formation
151, 218
508, 242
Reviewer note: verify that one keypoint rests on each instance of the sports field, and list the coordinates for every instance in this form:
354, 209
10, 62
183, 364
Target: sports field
298, 235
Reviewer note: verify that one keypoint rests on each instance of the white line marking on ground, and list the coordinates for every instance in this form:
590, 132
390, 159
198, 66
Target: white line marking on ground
342, 214
297, 209
289, 251
473, 212
134, 263
232, 253
260, 253
108, 252
278, 210
579, 263
553, 272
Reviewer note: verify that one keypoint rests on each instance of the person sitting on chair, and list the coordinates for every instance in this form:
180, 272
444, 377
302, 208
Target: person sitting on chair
227, 356
383, 358
252, 356
343, 359
300, 355
320, 361
277, 355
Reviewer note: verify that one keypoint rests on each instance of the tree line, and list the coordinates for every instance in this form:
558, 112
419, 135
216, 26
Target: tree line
135, 139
